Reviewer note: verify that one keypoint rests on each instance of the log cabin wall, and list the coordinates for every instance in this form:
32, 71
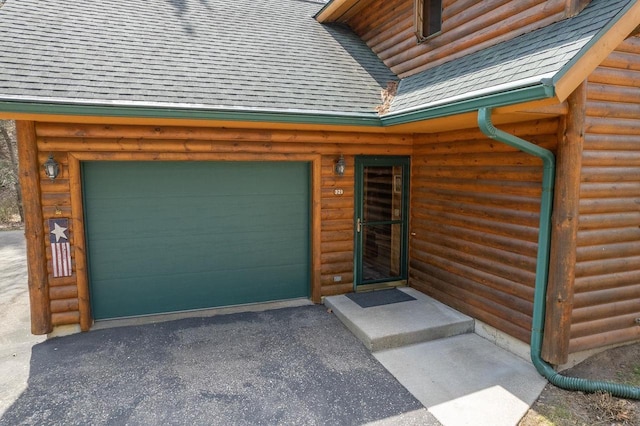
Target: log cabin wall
118, 142
607, 279
475, 215
467, 26
56, 202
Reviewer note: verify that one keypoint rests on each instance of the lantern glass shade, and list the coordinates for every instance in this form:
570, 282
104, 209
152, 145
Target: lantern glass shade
340, 166
51, 168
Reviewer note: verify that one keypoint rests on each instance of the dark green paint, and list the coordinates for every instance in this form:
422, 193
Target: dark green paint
360, 163
192, 113
510, 97
174, 236
503, 98
542, 268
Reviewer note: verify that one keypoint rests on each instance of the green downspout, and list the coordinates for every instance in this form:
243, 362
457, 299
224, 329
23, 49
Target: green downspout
542, 267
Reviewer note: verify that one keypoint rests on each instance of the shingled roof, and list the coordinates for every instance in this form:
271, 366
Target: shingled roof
242, 54
182, 58
536, 57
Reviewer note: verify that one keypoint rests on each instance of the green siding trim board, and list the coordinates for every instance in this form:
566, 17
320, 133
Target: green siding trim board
174, 236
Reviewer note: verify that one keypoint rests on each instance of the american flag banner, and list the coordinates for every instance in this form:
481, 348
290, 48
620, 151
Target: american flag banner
60, 247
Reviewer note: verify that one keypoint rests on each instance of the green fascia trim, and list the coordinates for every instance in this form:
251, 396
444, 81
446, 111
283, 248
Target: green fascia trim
519, 95
594, 40
363, 119
539, 91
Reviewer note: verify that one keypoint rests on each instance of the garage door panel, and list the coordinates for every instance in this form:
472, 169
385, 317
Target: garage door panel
228, 178
171, 236
200, 253
149, 295
260, 214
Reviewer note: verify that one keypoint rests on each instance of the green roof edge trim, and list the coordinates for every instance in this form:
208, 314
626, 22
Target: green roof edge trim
538, 91
594, 40
185, 113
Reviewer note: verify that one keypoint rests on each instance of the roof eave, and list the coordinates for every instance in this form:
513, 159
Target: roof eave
542, 90
333, 10
596, 50
193, 113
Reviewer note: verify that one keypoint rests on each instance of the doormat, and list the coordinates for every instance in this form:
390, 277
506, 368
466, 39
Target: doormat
380, 297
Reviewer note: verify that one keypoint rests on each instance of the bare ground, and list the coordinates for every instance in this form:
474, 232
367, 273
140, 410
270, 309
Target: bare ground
12, 223
558, 407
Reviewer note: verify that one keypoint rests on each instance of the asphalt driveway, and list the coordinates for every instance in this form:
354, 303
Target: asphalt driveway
288, 366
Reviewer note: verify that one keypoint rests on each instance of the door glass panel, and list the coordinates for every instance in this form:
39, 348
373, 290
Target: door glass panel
381, 251
381, 219
382, 193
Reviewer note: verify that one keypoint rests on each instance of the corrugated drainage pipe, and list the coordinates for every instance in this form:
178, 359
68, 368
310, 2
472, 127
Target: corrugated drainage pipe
542, 268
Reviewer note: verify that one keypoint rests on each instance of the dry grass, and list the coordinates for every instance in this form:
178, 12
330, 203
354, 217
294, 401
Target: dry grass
557, 407
610, 410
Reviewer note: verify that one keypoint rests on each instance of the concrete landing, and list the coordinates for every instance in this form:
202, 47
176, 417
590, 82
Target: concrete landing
400, 324
460, 377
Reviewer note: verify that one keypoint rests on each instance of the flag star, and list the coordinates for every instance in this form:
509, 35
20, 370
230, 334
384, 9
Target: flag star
58, 231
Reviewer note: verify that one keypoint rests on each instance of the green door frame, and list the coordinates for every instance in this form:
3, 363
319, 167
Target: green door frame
360, 163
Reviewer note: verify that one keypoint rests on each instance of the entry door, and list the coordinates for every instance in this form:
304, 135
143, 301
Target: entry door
381, 220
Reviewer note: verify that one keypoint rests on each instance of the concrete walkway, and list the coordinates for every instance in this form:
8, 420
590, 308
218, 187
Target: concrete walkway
460, 377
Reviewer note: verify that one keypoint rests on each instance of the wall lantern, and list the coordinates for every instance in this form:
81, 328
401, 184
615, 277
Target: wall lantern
51, 168
340, 166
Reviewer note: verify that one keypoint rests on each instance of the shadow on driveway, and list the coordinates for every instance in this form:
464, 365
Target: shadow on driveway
288, 366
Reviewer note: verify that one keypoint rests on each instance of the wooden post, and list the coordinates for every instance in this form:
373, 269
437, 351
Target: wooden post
555, 348
29, 171
316, 206
79, 249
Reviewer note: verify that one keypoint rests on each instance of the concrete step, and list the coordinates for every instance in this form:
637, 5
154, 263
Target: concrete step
399, 324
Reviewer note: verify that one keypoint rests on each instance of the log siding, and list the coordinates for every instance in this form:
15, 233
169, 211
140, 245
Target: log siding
56, 202
475, 213
607, 281
467, 26
72, 143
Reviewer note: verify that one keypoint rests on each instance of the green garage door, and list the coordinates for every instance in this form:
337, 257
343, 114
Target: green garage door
174, 236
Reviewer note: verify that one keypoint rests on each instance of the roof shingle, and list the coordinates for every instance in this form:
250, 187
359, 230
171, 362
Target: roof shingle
244, 54
529, 58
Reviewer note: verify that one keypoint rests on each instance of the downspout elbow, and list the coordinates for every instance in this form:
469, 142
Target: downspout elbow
487, 127
542, 267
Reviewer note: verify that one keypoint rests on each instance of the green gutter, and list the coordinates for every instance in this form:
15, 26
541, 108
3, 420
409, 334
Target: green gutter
542, 90
538, 91
542, 267
296, 117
